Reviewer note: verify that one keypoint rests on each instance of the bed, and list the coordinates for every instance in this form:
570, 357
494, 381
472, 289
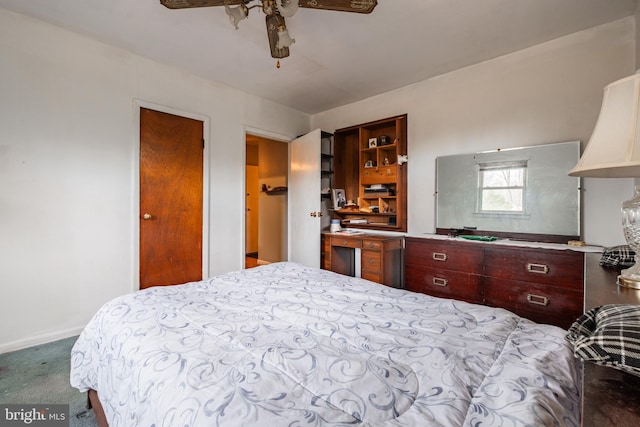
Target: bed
288, 345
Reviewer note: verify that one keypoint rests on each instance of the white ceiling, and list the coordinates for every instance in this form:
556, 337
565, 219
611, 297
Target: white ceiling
338, 57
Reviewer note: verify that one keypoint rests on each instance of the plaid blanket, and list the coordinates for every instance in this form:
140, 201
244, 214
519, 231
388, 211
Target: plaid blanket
609, 335
618, 257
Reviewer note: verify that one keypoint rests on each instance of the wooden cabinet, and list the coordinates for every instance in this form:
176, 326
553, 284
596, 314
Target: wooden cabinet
380, 256
542, 284
370, 165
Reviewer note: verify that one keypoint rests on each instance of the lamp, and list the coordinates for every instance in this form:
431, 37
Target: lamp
614, 152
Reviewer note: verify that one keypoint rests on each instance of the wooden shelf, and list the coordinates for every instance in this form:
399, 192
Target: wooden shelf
275, 191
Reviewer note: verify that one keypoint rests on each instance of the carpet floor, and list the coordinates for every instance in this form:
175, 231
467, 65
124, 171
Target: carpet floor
40, 374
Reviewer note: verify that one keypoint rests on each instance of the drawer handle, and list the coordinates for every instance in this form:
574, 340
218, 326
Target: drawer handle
371, 245
439, 281
345, 243
372, 261
439, 256
537, 268
537, 299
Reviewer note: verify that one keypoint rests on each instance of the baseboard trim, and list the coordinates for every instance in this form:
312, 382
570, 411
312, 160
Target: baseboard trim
39, 340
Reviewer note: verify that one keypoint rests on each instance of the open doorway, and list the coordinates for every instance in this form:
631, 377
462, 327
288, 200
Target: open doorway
266, 172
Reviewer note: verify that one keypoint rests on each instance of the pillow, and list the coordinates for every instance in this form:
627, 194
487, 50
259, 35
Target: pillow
618, 257
610, 336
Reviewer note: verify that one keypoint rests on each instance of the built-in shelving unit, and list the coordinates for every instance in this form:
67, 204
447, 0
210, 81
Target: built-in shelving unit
370, 165
326, 164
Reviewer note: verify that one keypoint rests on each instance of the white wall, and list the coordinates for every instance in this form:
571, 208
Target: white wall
548, 93
68, 200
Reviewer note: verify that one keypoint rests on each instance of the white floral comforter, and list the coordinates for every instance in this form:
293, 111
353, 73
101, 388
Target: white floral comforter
287, 345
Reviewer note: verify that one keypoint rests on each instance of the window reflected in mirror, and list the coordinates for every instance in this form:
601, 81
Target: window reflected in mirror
502, 187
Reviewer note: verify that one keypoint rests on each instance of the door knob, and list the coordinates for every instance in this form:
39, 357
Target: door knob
146, 217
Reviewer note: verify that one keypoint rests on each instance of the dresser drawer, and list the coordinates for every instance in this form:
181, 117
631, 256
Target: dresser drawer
552, 267
370, 261
538, 302
374, 277
444, 283
371, 244
346, 242
445, 255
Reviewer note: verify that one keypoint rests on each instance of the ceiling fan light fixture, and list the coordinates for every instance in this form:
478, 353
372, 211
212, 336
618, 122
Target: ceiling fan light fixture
236, 14
284, 39
275, 11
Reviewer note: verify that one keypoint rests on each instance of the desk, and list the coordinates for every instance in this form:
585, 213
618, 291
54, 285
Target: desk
371, 256
609, 396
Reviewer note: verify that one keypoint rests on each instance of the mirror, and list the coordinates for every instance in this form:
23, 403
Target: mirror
522, 193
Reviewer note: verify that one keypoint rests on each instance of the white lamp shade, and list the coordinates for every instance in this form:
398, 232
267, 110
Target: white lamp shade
614, 148
287, 8
284, 39
236, 14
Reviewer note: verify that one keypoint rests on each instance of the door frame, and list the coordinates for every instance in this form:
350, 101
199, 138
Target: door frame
254, 214
137, 105
263, 133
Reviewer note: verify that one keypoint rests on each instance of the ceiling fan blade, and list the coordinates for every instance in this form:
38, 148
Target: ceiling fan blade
358, 6
181, 4
273, 22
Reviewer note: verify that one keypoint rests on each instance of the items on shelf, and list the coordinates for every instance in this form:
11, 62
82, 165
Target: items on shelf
273, 190
355, 221
376, 190
350, 207
349, 232
384, 140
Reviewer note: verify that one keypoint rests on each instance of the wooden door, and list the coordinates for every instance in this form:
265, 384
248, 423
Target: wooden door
171, 187
304, 200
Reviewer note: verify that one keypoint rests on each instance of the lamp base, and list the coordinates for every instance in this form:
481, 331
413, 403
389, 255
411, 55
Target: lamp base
627, 282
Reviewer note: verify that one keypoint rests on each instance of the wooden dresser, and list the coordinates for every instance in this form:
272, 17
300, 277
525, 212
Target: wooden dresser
544, 284
380, 256
609, 396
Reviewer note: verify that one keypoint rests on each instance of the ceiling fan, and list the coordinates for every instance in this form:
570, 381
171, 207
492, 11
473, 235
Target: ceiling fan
275, 11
